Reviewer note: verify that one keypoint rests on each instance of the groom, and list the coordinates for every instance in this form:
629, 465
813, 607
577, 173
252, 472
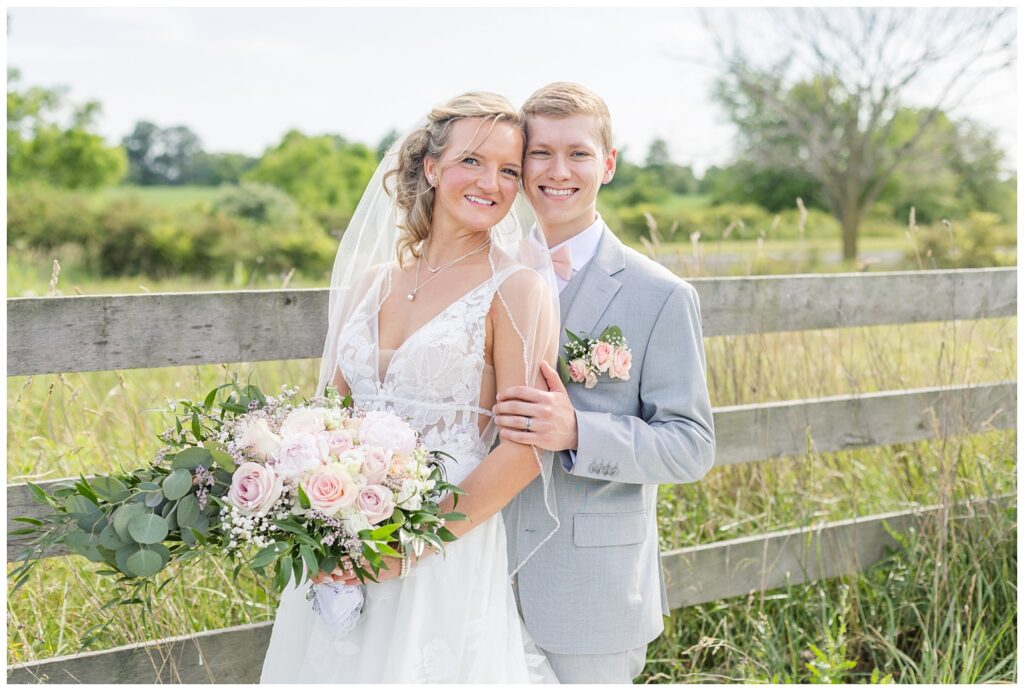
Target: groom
593, 595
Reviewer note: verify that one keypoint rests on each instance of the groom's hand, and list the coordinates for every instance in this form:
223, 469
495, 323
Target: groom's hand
552, 417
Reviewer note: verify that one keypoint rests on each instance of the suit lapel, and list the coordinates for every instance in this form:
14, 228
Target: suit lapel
596, 289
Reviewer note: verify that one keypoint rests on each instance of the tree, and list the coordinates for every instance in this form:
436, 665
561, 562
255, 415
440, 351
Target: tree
325, 174
159, 156
40, 148
217, 169
831, 103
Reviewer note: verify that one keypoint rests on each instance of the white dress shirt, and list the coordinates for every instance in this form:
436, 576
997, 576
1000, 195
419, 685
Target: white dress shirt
582, 248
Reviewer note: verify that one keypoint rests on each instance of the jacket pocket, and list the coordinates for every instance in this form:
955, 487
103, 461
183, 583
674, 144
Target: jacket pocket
607, 529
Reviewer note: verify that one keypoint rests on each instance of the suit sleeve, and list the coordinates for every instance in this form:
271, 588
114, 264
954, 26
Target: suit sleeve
673, 441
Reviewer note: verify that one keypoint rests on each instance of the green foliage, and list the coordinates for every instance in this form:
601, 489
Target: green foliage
324, 174
41, 148
253, 226
775, 189
160, 156
217, 169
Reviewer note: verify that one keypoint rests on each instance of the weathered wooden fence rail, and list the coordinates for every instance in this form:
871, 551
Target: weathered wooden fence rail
118, 332
162, 330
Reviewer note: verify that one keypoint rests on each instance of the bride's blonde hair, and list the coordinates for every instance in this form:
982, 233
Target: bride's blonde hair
413, 194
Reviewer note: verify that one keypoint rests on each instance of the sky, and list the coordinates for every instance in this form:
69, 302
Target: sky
242, 77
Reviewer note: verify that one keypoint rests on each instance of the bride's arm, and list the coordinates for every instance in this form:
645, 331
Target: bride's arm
510, 466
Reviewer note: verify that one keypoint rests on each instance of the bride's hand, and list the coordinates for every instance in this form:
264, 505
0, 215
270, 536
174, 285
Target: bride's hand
339, 575
392, 569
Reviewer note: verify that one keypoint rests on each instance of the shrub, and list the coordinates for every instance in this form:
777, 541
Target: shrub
252, 225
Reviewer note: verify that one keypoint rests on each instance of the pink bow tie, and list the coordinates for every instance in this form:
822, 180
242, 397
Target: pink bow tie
561, 261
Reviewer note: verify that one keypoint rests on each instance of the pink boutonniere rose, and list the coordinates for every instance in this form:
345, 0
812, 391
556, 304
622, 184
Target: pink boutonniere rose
589, 358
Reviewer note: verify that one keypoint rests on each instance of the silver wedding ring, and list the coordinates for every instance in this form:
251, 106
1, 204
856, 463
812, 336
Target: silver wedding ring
528, 424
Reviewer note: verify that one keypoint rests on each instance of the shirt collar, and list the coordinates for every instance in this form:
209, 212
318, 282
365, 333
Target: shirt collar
583, 245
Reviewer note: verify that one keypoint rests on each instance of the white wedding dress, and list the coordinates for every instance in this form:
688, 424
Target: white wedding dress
453, 618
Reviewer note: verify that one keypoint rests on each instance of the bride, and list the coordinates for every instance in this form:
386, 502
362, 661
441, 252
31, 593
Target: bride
439, 299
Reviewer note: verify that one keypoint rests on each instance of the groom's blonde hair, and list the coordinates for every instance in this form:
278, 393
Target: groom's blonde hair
561, 99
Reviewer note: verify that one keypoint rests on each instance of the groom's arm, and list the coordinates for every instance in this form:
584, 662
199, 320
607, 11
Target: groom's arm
673, 439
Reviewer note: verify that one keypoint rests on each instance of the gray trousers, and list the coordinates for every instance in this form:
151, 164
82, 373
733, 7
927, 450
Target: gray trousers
614, 668
611, 668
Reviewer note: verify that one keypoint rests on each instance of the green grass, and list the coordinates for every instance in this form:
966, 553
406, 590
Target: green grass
167, 197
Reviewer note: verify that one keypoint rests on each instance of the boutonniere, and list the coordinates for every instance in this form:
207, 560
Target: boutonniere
587, 358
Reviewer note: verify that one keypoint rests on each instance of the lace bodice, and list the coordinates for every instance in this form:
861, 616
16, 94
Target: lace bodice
434, 378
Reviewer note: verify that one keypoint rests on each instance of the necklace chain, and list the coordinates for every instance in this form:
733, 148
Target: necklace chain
437, 272
453, 261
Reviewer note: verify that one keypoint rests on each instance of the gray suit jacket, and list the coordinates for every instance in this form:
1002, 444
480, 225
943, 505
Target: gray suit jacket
596, 586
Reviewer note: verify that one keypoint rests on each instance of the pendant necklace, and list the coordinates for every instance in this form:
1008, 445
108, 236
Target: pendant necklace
412, 296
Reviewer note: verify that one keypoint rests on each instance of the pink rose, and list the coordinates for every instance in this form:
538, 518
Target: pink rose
297, 455
601, 355
376, 463
303, 421
257, 438
376, 502
577, 370
254, 488
330, 489
336, 441
388, 431
621, 363
591, 380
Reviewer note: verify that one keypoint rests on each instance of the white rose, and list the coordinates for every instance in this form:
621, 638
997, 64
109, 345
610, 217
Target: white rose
332, 418
354, 522
352, 461
257, 438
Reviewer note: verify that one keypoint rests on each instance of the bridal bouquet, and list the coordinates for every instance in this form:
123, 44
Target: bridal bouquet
269, 483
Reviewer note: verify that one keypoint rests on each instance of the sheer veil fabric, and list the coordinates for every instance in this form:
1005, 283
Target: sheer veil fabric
525, 288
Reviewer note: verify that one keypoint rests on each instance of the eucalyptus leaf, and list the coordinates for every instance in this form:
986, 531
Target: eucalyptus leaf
153, 499
188, 511
93, 522
147, 528
177, 484
122, 517
110, 489
192, 457
110, 539
145, 561
77, 504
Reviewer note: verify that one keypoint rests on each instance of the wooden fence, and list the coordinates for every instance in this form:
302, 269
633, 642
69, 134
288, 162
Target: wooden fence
161, 330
